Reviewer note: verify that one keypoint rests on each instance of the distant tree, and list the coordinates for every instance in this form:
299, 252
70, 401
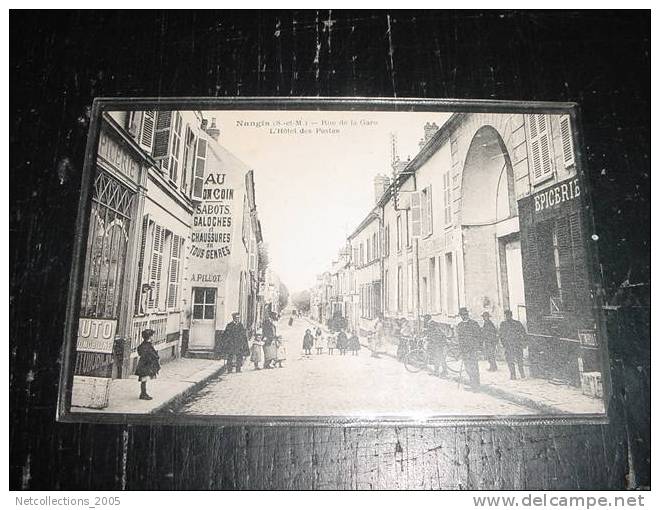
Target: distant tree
301, 300
284, 296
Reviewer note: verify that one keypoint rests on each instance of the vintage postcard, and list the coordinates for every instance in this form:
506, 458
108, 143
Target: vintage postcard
274, 261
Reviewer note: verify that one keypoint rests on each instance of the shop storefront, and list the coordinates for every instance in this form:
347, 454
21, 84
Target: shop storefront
107, 296
560, 316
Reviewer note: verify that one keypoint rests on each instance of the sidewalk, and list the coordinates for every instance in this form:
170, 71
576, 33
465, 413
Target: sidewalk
176, 380
540, 394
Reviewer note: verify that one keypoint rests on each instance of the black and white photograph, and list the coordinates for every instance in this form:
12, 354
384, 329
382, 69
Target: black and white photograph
347, 264
352, 248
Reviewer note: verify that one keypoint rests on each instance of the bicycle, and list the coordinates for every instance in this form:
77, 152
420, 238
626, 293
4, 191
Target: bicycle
418, 358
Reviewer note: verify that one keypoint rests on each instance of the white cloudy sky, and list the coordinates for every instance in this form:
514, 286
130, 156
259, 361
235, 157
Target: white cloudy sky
313, 190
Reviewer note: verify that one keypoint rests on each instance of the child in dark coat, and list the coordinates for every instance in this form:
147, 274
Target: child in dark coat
342, 342
308, 342
149, 363
354, 344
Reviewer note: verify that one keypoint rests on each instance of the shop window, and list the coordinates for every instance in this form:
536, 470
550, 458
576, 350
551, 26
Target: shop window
540, 147
112, 206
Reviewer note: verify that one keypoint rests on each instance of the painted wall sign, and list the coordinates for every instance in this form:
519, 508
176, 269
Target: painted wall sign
551, 197
212, 220
206, 278
118, 157
96, 335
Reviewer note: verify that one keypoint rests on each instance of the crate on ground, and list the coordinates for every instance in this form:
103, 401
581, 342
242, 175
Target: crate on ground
592, 384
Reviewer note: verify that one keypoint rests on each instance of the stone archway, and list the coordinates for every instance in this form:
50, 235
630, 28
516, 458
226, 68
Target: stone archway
492, 267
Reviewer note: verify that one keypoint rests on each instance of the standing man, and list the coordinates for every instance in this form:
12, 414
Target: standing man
437, 346
514, 340
468, 334
376, 338
489, 335
236, 343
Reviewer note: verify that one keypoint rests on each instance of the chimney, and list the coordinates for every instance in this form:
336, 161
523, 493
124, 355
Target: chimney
430, 129
213, 131
381, 183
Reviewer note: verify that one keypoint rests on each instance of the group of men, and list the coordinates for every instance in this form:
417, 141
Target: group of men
474, 339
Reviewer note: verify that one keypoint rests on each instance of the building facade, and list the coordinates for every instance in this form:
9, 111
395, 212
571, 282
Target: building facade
488, 216
162, 217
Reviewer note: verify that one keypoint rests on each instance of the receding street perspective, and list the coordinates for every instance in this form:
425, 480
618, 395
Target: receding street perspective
279, 263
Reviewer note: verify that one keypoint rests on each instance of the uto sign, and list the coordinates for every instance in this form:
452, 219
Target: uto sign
96, 335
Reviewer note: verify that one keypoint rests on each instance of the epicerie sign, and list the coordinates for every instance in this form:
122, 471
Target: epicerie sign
556, 195
117, 156
96, 335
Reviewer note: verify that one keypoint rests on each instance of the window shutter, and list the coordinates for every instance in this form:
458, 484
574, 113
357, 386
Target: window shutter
540, 148
447, 193
200, 165
173, 280
162, 139
567, 140
416, 214
133, 124
429, 211
147, 132
175, 147
141, 272
156, 266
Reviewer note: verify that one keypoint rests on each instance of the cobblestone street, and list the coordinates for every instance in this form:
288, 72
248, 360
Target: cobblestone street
339, 385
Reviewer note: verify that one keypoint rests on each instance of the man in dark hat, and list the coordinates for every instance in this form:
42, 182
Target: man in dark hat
489, 335
236, 343
468, 334
514, 341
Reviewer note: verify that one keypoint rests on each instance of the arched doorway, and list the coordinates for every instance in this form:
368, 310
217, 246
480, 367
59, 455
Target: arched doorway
492, 264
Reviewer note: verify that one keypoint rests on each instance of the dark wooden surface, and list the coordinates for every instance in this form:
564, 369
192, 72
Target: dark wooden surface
59, 61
